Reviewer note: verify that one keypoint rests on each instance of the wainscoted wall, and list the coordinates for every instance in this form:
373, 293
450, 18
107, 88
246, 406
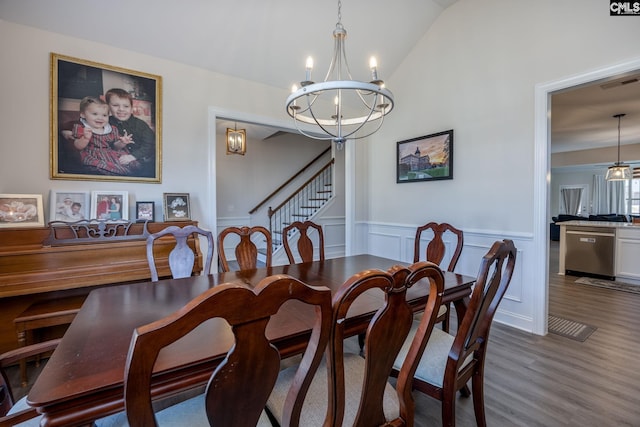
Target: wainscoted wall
396, 241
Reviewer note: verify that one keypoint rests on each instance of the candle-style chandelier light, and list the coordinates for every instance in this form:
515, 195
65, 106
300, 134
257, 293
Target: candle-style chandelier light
343, 108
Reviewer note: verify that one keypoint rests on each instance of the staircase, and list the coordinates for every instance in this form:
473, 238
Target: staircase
303, 204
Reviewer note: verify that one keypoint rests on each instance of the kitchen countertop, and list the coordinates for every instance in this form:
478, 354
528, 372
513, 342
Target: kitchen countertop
608, 224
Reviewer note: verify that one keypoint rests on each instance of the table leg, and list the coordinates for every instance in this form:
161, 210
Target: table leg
461, 308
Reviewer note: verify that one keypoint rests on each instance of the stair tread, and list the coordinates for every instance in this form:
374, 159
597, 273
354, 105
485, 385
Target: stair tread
304, 207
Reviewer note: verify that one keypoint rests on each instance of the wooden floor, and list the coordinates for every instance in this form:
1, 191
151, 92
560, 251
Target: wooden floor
554, 381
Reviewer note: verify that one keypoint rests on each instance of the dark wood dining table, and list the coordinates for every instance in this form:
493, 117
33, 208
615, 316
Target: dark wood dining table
84, 378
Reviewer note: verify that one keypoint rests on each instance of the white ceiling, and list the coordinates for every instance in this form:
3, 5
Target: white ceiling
268, 41
582, 117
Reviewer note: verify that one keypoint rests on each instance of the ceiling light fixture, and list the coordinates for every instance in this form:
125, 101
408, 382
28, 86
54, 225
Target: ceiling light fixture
236, 140
619, 171
341, 107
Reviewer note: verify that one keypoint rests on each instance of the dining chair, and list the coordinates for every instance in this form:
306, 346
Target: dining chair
14, 412
305, 243
449, 362
435, 252
362, 394
246, 251
181, 257
238, 389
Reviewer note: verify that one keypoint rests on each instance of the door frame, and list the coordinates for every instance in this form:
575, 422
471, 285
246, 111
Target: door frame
542, 174
215, 113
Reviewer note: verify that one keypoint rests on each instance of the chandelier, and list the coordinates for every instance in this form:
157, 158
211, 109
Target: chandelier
343, 108
619, 171
236, 140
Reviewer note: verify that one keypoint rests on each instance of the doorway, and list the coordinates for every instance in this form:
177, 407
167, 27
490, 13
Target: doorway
542, 171
271, 131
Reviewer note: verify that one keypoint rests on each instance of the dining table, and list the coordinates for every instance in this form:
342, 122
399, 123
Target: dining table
84, 378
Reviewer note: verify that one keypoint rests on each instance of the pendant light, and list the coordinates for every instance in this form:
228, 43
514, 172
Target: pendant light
236, 140
619, 171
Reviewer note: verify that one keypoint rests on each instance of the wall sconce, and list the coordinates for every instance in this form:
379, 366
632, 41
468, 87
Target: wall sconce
236, 141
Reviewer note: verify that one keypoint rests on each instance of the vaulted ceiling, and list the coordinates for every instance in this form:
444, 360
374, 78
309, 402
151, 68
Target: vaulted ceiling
582, 117
268, 41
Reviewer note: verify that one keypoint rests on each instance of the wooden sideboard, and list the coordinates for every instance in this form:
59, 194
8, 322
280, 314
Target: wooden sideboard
30, 271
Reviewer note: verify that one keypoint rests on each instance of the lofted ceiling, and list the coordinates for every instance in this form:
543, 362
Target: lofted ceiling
582, 117
268, 41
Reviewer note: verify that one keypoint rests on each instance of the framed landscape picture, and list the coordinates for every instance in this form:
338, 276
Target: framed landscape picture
427, 158
69, 205
176, 207
110, 205
21, 210
105, 122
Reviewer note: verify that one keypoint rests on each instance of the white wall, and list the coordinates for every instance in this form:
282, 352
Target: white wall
188, 92
244, 181
475, 72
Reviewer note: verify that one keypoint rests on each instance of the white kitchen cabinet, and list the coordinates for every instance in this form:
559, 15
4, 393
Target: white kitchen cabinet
628, 253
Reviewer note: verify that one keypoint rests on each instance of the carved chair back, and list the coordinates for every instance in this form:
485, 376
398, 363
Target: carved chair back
246, 251
305, 244
463, 356
436, 249
385, 336
244, 380
181, 257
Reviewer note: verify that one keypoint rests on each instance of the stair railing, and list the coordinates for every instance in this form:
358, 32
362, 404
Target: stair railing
290, 180
303, 203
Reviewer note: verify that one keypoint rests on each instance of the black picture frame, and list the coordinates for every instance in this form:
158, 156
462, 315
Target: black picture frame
177, 207
426, 158
75, 83
145, 211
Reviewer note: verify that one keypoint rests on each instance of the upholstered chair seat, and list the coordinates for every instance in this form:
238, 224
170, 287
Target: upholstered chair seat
21, 405
314, 410
359, 388
431, 366
186, 413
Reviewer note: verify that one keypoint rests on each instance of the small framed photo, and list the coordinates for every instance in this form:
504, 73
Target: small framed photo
21, 210
176, 207
110, 205
427, 158
145, 211
69, 205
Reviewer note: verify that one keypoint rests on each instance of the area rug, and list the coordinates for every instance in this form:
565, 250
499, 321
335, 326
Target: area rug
570, 328
601, 283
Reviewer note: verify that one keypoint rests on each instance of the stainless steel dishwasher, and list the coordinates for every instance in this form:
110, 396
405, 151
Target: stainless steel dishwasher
590, 250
